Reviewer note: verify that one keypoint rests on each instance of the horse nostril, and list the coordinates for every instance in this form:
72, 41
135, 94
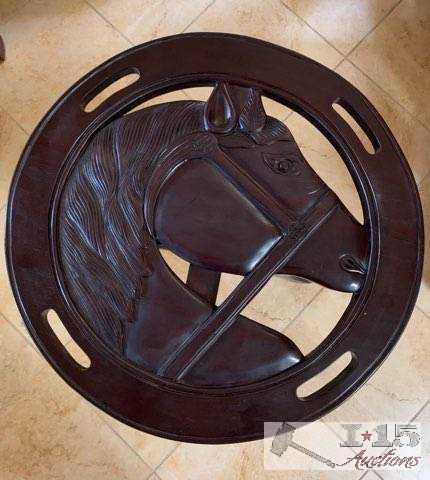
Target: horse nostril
352, 265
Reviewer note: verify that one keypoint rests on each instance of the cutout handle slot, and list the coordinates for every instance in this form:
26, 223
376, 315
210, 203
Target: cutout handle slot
61, 332
359, 127
108, 87
328, 377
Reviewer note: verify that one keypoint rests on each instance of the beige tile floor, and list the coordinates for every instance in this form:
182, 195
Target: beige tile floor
382, 46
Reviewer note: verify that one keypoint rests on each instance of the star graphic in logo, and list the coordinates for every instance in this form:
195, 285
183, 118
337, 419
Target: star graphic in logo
366, 436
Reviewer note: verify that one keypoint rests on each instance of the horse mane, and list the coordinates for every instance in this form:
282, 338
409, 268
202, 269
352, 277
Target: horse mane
101, 213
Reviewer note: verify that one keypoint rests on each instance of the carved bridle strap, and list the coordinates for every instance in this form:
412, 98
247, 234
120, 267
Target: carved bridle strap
205, 146
295, 231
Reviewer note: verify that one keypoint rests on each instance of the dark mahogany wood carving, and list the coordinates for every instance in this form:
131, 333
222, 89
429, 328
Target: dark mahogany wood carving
208, 190
2, 50
225, 187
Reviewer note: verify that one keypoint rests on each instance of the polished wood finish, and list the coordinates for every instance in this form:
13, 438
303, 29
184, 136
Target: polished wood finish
225, 187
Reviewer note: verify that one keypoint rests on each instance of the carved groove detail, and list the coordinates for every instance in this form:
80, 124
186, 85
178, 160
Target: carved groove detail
102, 245
351, 264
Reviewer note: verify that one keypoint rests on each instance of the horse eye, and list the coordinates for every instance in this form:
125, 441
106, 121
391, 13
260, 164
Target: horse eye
281, 164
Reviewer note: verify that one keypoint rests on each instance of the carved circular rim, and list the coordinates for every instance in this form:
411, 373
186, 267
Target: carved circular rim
390, 203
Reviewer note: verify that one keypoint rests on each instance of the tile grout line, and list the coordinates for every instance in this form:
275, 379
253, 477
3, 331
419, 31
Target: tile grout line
390, 97
126, 444
347, 55
420, 411
417, 119
410, 421
377, 474
303, 309
350, 448
133, 44
198, 16
2, 108
420, 309
412, 115
310, 26
153, 469
373, 29
426, 176
109, 22
167, 456
28, 340
364, 475
15, 121
326, 424
339, 64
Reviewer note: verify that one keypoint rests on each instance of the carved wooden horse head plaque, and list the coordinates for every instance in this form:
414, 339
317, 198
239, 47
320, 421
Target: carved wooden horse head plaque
225, 187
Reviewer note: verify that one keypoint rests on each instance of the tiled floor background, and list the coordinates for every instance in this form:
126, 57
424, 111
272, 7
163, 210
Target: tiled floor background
382, 46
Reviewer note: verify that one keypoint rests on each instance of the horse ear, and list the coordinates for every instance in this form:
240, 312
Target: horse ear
253, 116
229, 105
220, 115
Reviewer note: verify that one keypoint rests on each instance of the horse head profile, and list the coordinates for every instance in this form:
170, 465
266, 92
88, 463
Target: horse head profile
220, 184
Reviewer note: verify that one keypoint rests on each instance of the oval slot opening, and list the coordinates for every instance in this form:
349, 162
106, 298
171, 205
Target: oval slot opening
359, 127
72, 348
106, 90
328, 377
